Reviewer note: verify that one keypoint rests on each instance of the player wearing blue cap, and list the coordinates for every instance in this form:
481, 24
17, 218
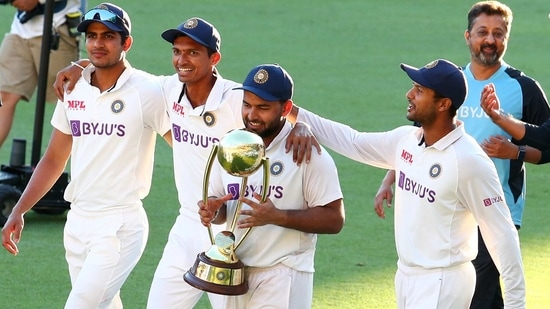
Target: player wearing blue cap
487, 35
303, 201
446, 186
202, 106
108, 127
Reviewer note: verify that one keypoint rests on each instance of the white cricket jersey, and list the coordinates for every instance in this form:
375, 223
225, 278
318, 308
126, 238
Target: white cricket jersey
114, 135
195, 131
442, 193
35, 26
290, 187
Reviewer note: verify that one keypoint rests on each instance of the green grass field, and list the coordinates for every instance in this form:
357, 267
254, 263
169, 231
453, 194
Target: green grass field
344, 57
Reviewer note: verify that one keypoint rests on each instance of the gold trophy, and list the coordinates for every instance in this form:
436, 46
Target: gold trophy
219, 270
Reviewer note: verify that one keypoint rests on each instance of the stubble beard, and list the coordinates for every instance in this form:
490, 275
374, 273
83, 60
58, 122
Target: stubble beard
486, 60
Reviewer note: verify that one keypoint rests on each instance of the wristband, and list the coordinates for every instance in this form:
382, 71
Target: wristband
77, 65
521, 152
215, 216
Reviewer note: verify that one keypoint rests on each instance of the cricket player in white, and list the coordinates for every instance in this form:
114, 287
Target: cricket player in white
108, 126
196, 126
446, 186
202, 108
302, 201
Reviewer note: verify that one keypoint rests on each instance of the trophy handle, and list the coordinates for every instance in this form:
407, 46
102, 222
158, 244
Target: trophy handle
205, 181
265, 162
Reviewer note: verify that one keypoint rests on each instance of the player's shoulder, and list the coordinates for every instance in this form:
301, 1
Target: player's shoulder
406, 132
139, 75
322, 163
230, 86
143, 81
146, 86
467, 140
408, 128
228, 92
470, 155
223, 84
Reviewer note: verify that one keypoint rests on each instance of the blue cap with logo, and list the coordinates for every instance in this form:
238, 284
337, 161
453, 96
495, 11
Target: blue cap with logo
270, 82
197, 29
442, 76
110, 15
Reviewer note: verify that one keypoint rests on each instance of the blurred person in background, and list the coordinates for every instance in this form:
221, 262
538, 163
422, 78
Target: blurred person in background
21, 48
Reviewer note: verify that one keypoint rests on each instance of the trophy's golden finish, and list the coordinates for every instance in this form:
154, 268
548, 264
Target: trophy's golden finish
218, 270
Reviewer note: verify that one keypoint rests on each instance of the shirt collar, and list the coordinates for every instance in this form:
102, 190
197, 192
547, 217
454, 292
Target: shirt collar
451, 137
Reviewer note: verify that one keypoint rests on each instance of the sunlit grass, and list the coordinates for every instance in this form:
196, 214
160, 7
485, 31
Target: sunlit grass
344, 57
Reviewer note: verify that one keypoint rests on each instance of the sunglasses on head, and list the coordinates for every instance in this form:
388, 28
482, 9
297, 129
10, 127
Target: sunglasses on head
102, 15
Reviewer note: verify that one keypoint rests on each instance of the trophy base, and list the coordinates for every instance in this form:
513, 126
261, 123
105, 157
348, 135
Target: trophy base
217, 277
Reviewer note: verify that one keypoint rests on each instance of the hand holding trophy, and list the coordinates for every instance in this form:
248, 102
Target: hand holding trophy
218, 270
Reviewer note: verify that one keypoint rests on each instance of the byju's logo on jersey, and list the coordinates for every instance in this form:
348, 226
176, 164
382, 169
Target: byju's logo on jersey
412, 186
275, 192
79, 128
233, 188
184, 136
475, 112
492, 200
76, 105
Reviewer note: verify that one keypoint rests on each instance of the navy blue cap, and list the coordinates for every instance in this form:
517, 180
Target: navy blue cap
270, 82
442, 76
197, 29
110, 15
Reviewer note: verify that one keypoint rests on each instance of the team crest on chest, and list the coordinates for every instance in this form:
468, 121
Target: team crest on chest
117, 106
209, 119
276, 168
435, 170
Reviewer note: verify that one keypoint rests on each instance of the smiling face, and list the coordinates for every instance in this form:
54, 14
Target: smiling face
105, 47
487, 39
265, 118
192, 60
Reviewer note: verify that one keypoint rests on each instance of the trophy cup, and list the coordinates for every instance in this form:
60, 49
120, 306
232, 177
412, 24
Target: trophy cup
218, 270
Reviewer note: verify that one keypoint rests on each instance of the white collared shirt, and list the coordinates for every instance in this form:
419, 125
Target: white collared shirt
314, 184
442, 192
114, 134
196, 130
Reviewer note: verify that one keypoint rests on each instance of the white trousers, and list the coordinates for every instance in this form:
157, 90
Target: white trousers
187, 238
101, 251
277, 287
442, 288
